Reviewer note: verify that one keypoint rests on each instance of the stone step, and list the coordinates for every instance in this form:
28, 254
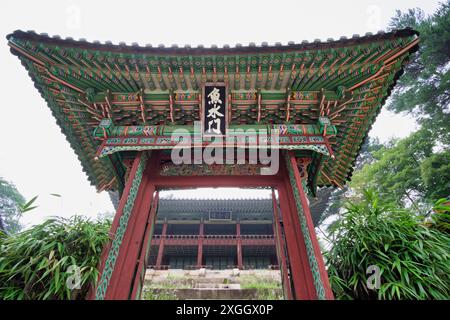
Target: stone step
192, 281
219, 294
228, 286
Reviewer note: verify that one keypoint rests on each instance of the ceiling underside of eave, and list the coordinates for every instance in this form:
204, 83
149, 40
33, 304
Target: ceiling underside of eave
84, 83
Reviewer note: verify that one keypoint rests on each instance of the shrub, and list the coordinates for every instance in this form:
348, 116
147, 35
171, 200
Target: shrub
440, 219
35, 263
414, 260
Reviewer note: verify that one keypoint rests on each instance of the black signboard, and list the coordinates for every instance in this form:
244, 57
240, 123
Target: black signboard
214, 110
220, 215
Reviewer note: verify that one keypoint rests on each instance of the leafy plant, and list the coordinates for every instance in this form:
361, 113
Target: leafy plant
414, 260
441, 216
28, 206
36, 263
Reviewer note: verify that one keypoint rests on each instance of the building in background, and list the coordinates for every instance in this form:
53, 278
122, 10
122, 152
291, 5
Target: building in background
215, 234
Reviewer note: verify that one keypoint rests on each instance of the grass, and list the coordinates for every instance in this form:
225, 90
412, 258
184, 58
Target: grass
254, 282
158, 294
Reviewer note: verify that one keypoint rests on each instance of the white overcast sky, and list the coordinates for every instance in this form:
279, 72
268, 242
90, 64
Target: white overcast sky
35, 155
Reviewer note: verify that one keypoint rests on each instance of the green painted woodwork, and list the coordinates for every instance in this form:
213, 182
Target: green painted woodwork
113, 253
312, 260
136, 131
84, 83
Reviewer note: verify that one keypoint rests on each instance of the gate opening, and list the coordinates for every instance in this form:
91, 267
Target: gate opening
220, 241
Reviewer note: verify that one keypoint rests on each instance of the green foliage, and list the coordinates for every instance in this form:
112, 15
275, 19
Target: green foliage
28, 206
270, 294
441, 217
334, 198
159, 294
258, 282
435, 173
415, 171
414, 260
424, 90
35, 263
400, 168
10, 200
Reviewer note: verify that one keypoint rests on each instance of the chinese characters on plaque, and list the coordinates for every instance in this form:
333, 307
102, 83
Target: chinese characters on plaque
214, 110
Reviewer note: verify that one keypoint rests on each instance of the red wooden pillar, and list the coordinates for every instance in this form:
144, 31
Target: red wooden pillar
145, 250
201, 234
239, 246
120, 257
281, 249
300, 273
161, 246
315, 259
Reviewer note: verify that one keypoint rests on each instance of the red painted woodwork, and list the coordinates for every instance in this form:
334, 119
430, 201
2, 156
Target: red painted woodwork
301, 276
239, 246
280, 245
123, 284
115, 222
226, 240
123, 274
310, 226
200, 245
144, 249
161, 246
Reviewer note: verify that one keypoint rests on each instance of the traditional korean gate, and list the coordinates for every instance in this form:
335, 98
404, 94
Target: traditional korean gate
115, 103
124, 259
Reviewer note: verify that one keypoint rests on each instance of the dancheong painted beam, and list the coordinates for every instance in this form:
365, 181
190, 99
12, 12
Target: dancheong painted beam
346, 80
122, 109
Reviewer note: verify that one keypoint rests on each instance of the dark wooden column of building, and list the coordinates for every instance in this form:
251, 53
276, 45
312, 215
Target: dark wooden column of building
239, 245
161, 246
201, 234
281, 248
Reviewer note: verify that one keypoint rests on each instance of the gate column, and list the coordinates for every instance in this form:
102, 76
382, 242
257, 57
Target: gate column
201, 234
161, 246
301, 218
240, 264
281, 249
121, 256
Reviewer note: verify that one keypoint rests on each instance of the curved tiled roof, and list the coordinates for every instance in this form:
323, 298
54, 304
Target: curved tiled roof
241, 207
174, 49
356, 75
206, 205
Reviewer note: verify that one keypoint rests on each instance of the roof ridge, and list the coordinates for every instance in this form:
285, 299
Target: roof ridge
202, 49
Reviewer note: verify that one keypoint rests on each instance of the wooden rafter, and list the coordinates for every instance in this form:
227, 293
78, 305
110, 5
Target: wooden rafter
65, 72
